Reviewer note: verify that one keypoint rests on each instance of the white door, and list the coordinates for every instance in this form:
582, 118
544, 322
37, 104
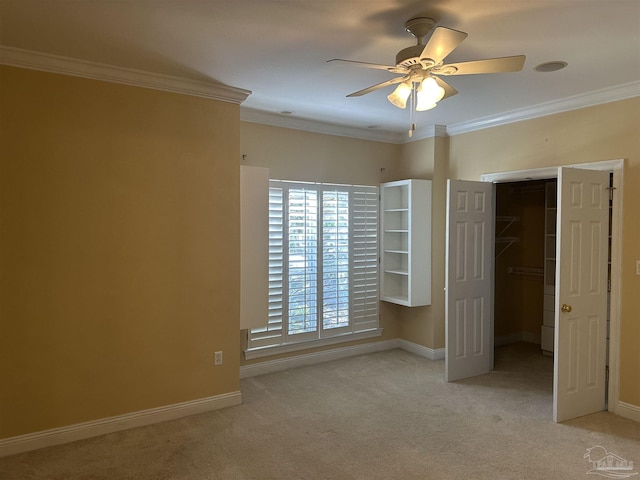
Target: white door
469, 279
581, 293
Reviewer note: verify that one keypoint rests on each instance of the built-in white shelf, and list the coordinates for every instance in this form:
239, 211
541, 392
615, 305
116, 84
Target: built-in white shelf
406, 242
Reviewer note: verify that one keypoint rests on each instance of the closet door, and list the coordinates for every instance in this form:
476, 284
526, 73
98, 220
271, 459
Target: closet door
581, 293
469, 279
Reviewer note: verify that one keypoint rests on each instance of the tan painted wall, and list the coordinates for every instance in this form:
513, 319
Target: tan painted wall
427, 159
119, 249
297, 155
603, 132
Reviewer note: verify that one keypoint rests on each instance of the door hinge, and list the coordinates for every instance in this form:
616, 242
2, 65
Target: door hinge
611, 189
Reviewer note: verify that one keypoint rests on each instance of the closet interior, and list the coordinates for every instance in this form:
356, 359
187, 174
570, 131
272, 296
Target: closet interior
525, 263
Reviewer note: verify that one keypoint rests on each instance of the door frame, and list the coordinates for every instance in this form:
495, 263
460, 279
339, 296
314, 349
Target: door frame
616, 167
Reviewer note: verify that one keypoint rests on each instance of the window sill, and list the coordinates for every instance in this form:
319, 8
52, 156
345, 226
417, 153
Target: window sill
260, 352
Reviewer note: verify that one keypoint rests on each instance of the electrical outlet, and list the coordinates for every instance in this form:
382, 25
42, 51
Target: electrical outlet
217, 358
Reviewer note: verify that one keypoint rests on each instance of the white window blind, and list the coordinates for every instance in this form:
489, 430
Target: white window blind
323, 262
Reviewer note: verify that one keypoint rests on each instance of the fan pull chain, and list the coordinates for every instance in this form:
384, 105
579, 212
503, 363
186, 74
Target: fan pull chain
412, 111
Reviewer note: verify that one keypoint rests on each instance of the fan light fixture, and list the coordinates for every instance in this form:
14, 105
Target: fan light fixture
400, 95
424, 92
429, 93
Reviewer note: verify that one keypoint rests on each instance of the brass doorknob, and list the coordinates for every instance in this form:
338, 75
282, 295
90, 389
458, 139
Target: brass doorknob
565, 308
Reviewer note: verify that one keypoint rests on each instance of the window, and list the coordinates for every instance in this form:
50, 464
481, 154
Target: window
323, 262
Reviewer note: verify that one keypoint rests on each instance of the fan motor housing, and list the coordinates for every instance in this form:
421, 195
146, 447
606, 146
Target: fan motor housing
409, 56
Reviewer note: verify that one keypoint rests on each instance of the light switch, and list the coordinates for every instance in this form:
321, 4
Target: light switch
637, 267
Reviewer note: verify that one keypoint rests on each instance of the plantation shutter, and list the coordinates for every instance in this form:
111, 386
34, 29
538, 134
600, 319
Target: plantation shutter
323, 263
272, 333
364, 258
335, 266
301, 241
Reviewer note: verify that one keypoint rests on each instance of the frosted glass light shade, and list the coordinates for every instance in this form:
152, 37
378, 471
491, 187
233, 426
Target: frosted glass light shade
429, 93
400, 95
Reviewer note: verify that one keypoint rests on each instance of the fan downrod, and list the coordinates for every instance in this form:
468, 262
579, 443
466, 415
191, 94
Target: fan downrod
419, 27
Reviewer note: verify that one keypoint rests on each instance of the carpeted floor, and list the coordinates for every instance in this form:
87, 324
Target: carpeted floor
387, 415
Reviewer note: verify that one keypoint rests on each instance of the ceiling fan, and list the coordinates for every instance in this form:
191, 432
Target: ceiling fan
420, 66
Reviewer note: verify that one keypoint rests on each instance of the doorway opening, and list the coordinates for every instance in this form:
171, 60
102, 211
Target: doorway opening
524, 263
525, 178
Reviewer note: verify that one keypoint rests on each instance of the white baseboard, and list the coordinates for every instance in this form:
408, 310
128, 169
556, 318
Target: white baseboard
79, 431
421, 350
272, 366
627, 410
71, 433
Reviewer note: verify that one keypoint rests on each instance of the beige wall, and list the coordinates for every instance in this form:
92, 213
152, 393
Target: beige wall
604, 132
119, 252
427, 159
298, 155
314, 157
120, 234
305, 156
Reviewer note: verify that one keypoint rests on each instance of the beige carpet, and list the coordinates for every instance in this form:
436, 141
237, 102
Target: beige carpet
387, 415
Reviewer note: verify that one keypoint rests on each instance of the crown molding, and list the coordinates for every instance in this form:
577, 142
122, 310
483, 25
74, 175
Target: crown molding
17, 57
276, 120
606, 95
428, 131
22, 58
597, 97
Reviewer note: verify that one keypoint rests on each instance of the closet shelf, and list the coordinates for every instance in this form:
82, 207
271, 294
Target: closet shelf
532, 271
509, 220
508, 241
397, 272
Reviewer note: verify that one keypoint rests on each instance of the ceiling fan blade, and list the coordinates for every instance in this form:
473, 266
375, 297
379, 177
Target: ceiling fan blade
378, 86
442, 42
491, 65
388, 68
449, 91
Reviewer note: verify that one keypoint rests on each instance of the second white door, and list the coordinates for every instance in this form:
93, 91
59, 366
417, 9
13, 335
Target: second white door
469, 280
581, 293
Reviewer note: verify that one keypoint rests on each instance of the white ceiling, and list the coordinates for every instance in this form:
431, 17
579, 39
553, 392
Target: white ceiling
278, 49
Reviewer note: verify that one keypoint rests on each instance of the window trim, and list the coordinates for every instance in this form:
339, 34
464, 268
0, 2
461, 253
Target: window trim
251, 353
